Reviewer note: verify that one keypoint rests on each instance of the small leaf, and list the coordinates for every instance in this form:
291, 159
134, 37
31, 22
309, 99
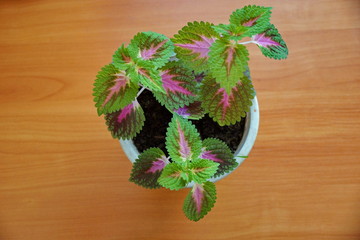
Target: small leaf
217, 151
224, 108
201, 170
231, 30
228, 61
173, 177
146, 74
191, 111
151, 47
113, 90
182, 140
271, 43
122, 59
148, 168
179, 85
192, 44
127, 122
254, 18
200, 201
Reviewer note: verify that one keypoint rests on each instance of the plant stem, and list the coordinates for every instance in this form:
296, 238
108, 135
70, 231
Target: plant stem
243, 43
141, 90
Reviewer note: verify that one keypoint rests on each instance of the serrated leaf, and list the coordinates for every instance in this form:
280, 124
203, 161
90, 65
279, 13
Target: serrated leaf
217, 151
179, 85
183, 141
199, 201
271, 43
234, 31
191, 111
122, 59
202, 169
148, 168
228, 61
127, 122
151, 47
224, 108
173, 177
192, 44
254, 18
147, 75
113, 90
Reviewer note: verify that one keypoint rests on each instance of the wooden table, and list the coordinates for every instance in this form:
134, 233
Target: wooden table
62, 176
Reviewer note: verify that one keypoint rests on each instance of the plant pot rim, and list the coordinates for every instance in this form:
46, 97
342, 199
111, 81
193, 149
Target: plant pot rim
244, 148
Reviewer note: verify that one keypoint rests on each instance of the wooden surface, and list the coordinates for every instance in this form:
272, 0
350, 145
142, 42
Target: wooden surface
62, 176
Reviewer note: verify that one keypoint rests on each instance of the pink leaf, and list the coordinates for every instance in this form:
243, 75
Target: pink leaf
158, 165
264, 41
147, 54
172, 85
191, 111
251, 22
209, 155
200, 47
185, 150
198, 196
120, 83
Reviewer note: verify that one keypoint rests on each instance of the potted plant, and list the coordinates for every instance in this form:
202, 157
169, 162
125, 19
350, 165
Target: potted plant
202, 72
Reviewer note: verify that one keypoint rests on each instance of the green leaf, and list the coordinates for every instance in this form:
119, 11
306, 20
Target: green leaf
148, 168
254, 18
191, 111
113, 90
173, 177
192, 44
231, 31
122, 59
151, 47
147, 75
179, 85
271, 43
201, 170
183, 141
228, 61
217, 151
127, 122
200, 201
224, 108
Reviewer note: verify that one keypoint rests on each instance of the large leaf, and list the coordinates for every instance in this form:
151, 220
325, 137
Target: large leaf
217, 151
147, 75
148, 168
113, 90
271, 43
224, 108
182, 140
192, 44
199, 201
201, 170
228, 61
179, 85
254, 18
174, 176
151, 47
122, 59
191, 111
127, 122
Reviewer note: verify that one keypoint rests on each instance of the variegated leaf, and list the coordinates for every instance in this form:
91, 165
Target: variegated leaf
182, 140
151, 47
122, 59
179, 85
192, 44
148, 168
227, 62
199, 201
127, 122
113, 90
224, 108
254, 18
202, 169
191, 111
271, 43
217, 151
174, 176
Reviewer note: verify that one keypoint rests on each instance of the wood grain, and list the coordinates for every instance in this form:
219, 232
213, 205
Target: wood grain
62, 176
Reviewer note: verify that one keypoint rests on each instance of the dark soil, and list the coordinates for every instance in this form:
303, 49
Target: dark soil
158, 117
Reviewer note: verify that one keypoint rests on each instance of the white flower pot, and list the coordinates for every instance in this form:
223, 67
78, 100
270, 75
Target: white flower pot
244, 148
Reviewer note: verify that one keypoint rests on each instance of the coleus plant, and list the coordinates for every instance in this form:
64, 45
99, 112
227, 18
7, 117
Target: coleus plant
201, 70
